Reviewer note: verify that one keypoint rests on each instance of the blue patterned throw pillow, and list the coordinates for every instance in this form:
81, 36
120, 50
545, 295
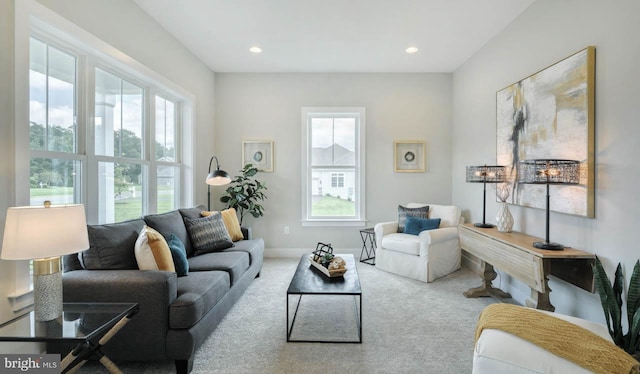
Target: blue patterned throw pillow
404, 212
208, 234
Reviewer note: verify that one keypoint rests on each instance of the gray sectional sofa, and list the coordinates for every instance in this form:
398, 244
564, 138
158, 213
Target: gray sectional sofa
176, 314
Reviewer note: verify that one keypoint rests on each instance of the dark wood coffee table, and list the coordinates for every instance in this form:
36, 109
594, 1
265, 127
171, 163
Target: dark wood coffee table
308, 280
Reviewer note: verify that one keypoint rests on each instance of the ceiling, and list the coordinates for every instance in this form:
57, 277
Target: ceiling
334, 35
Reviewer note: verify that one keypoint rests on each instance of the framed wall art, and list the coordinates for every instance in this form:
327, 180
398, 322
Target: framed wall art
550, 115
409, 156
259, 153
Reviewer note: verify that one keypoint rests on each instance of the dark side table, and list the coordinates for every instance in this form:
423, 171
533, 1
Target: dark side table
89, 325
368, 252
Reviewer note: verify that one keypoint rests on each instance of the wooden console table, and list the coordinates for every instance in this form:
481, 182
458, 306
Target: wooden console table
514, 254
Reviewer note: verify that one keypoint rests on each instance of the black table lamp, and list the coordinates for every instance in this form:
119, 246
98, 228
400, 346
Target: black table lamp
485, 174
215, 178
549, 172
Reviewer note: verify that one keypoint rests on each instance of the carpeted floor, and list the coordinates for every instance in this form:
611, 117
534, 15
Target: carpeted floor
408, 327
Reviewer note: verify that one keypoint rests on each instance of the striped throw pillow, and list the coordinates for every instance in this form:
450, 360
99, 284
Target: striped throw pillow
208, 234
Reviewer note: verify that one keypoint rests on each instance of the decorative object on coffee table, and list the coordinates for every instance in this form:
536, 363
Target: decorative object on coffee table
324, 260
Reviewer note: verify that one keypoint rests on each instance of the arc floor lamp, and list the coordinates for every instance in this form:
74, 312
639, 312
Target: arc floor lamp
217, 177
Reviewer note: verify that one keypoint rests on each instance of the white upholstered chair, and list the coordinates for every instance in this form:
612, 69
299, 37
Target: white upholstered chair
425, 257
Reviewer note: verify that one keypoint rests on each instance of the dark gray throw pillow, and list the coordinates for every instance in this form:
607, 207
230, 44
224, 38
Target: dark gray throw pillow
170, 223
111, 246
208, 234
404, 212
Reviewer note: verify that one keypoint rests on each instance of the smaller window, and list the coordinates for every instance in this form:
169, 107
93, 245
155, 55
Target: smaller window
337, 180
333, 190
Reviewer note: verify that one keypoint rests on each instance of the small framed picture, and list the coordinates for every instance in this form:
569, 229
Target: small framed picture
259, 153
409, 156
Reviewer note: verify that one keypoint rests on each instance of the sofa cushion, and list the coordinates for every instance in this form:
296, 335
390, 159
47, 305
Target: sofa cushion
400, 242
254, 247
404, 212
111, 246
169, 223
233, 262
179, 255
152, 251
208, 234
194, 212
197, 294
415, 225
230, 218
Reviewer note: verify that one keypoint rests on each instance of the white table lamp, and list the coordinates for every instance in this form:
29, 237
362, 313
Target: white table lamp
43, 234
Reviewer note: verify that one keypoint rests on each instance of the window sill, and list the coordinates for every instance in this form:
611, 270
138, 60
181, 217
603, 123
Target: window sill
20, 300
334, 223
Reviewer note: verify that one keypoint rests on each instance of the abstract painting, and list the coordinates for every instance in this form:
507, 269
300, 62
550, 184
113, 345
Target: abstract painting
550, 115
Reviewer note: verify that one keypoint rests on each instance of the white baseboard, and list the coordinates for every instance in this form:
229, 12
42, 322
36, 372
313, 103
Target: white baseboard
298, 252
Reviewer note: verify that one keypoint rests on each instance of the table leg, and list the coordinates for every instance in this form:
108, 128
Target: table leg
486, 289
78, 357
540, 300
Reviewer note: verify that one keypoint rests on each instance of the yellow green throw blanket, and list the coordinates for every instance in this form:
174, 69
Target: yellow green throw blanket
562, 338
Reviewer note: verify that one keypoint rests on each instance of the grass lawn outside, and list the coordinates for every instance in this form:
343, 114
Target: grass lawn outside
330, 206
125, 209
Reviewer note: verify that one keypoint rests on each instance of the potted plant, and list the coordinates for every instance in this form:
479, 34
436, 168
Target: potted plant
244, 194
611, 298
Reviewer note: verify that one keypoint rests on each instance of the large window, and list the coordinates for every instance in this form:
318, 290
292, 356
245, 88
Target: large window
122, 163
55, 166
333, 171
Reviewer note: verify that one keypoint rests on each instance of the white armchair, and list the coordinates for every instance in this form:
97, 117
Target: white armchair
425, 257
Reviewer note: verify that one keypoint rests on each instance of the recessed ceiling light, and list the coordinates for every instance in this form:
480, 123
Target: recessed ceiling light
411, 50
255, 49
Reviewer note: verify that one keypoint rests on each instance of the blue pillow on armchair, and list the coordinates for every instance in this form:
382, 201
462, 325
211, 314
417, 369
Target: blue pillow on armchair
415, 225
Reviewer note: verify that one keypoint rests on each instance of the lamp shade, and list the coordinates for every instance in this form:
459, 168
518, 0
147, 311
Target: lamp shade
547, 171
218, 178
486, 174
36, 232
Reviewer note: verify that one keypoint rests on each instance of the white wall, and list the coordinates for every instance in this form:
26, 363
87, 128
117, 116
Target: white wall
545, 33
126, 27
398, 107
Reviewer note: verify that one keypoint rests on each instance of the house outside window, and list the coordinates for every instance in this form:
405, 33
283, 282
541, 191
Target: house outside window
333, 168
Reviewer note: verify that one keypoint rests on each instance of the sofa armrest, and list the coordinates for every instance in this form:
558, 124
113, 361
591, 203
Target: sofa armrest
154, 291
384, 228
143, 287
247, 233
434, 237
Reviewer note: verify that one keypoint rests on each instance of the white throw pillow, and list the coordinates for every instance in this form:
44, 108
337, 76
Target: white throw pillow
152, 251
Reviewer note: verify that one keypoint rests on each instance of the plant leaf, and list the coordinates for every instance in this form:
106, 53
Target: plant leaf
603, 286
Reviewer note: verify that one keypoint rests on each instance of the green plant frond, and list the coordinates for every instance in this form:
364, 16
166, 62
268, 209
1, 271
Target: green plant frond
603, 286
225, 199
634, 331
251, 172
633, 293
618, 284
